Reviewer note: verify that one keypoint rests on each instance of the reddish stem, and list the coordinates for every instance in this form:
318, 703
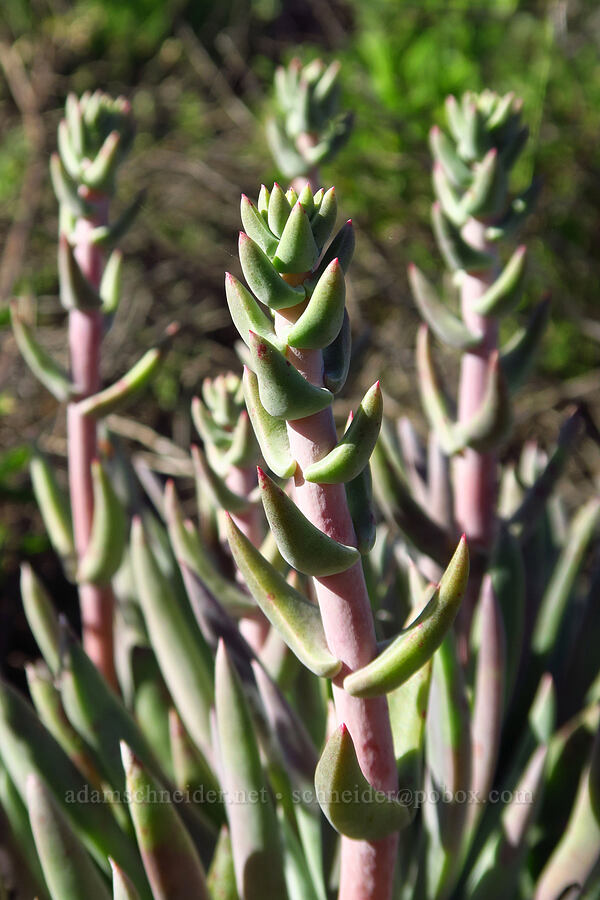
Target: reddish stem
367, 868
85, 338
475, 473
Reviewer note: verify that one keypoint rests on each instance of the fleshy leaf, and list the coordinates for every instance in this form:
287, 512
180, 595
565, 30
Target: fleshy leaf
222, 496
301, 544
283, 391
297, 250
359, 495
76, 292
297, 619
352, 453
368, 814
444, 324
253, 826
519, 354
503, 296
271, 433
108, 536
264, 280
43, 366
322, 320
54, 507
457, 253
417, 643
444, 153
256, 227
491, 423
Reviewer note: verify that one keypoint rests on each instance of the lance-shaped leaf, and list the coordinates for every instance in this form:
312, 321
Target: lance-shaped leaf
336, 358
69, 157
295, 618
296, 250
123, 886
109, 235
245, 312
221, 495
264, 280
41, 617
566, 570
243, 450
488, 699
170, 859
448, 196
495, 872
352, 453
54, 507
507, 572
323, 220
455, 117
76, 292
576, 854
284, 153
112, 283
99, 174
180, 651
350, 804
48, 703
43, 366
271, 433
253, 823
341, 247
108, 536
396, 502
278, 210
417, 643
283, 391
206, 426
302, 545
256, 228
120, 394
448, 327
65, 188
26, 747
359, 496
221, 875
322, 320
517, 212
188, 548
192, 772
16, 816
96, 712
518, 355
487, 193
503, 296
435, 404
408, 713
444, 153
68, 870
492, 421
297, 873
149, 700
448, 755
458, 254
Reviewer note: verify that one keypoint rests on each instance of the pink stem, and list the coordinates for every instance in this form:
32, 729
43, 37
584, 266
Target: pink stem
475, 473
243, 482
367, 867
85, 338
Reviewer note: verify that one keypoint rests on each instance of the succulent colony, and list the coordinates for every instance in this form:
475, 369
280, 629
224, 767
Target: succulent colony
319, 700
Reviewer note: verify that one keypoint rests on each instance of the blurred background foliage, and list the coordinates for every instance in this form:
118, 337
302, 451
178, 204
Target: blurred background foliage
199, 75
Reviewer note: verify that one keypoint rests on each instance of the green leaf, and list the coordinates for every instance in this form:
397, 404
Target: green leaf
352, 453
350, 804
271, 433
297, 620
503, 296
108, 536
519, 354
297, 250
41, 617
301, 544
321, 321
444, 153
444, 324
359, 496
323, 220
416, 644
112, 282
336, 358
43, 366
264, 280
76, 292
222, 496
54, 507
283, 391
490, 425
170, 858
123, 887
458, 254
68, 870
256, 227
278, 211
253, 825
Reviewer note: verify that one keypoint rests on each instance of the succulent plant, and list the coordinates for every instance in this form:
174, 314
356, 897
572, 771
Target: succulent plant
309, 127
303, 700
